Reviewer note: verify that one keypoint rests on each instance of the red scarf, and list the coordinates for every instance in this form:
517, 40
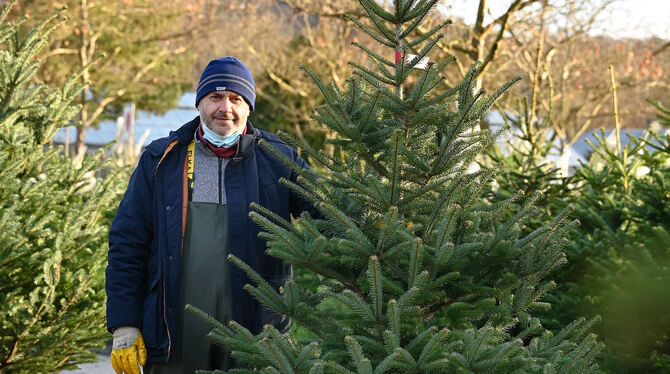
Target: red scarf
223, 152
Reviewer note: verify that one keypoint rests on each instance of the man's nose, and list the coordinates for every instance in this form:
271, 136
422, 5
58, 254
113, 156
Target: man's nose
225, 105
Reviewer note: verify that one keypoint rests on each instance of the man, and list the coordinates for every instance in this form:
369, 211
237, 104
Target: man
186, 208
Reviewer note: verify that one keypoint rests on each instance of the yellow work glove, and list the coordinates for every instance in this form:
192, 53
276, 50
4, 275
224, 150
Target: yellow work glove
128, 351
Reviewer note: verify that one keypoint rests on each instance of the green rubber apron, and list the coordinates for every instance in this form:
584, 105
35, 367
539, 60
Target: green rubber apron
205, 284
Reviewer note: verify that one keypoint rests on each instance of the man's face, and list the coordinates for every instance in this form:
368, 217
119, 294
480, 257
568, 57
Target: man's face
224, 112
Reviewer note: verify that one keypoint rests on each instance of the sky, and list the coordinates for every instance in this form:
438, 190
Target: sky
625, 18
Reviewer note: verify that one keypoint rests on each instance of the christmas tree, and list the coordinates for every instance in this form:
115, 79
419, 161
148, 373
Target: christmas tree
408, 270
619, 257
54, 216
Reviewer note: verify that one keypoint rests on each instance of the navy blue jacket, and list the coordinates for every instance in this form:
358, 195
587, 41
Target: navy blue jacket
145, 238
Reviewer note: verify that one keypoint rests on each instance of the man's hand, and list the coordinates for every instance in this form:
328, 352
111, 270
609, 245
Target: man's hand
128, 350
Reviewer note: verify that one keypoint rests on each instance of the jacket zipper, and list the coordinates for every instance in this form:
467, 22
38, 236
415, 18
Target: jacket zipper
167, 327
220, 180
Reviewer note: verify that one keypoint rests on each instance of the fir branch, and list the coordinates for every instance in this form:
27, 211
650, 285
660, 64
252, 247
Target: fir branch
384, 90
306, 188
405, 357
543, 230
438, 164
467, 86
371, 344
437, 99
442, 254
419, 163
354, 184
372, 34
445, 230
369, 158
273, 350
305, 173
335, 367
528, 210
264, 291
357, 355
419, 15
394, 321
267, 213
383, 70
401, 7
489, 102
323, 158
387, 256
354, 94
400, 75
432, 347
389, 361
420, 11
481, 338
319, 83
427, 34
339, 216
417, 91
389, 224
372, 74
375, 282
374, 55
421, 339
205, 317
416, 257
276, 233
339, 100
356, 246
461, 182
371, 111
372, 6
370, 9
422, 118
241, 350
336, 124
307, 352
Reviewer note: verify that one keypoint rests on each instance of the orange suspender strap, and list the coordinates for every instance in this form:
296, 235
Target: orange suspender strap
187, 187
167, 150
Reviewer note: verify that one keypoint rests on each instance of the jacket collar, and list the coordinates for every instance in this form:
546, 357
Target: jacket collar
185, 133
246, 143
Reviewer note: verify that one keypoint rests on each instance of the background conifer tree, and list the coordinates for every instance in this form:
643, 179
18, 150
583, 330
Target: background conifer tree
618, 257
416, 272
53, 219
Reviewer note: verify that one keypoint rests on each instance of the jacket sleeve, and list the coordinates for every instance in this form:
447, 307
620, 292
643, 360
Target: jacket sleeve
130, 240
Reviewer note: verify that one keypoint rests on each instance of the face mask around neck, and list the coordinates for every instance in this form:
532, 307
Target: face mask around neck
218, 140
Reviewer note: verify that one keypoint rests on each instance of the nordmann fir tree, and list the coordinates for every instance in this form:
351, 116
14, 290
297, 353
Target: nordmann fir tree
53, 219
417, 273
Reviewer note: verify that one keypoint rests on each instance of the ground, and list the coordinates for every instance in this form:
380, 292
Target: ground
102, 366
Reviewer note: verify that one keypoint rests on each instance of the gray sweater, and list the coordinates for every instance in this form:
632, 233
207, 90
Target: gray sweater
208, 175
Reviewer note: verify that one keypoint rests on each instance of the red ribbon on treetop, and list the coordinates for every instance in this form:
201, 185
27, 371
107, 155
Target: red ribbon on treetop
398, 57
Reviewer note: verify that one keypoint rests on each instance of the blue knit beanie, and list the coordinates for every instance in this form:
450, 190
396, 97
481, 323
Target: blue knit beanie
227, 73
